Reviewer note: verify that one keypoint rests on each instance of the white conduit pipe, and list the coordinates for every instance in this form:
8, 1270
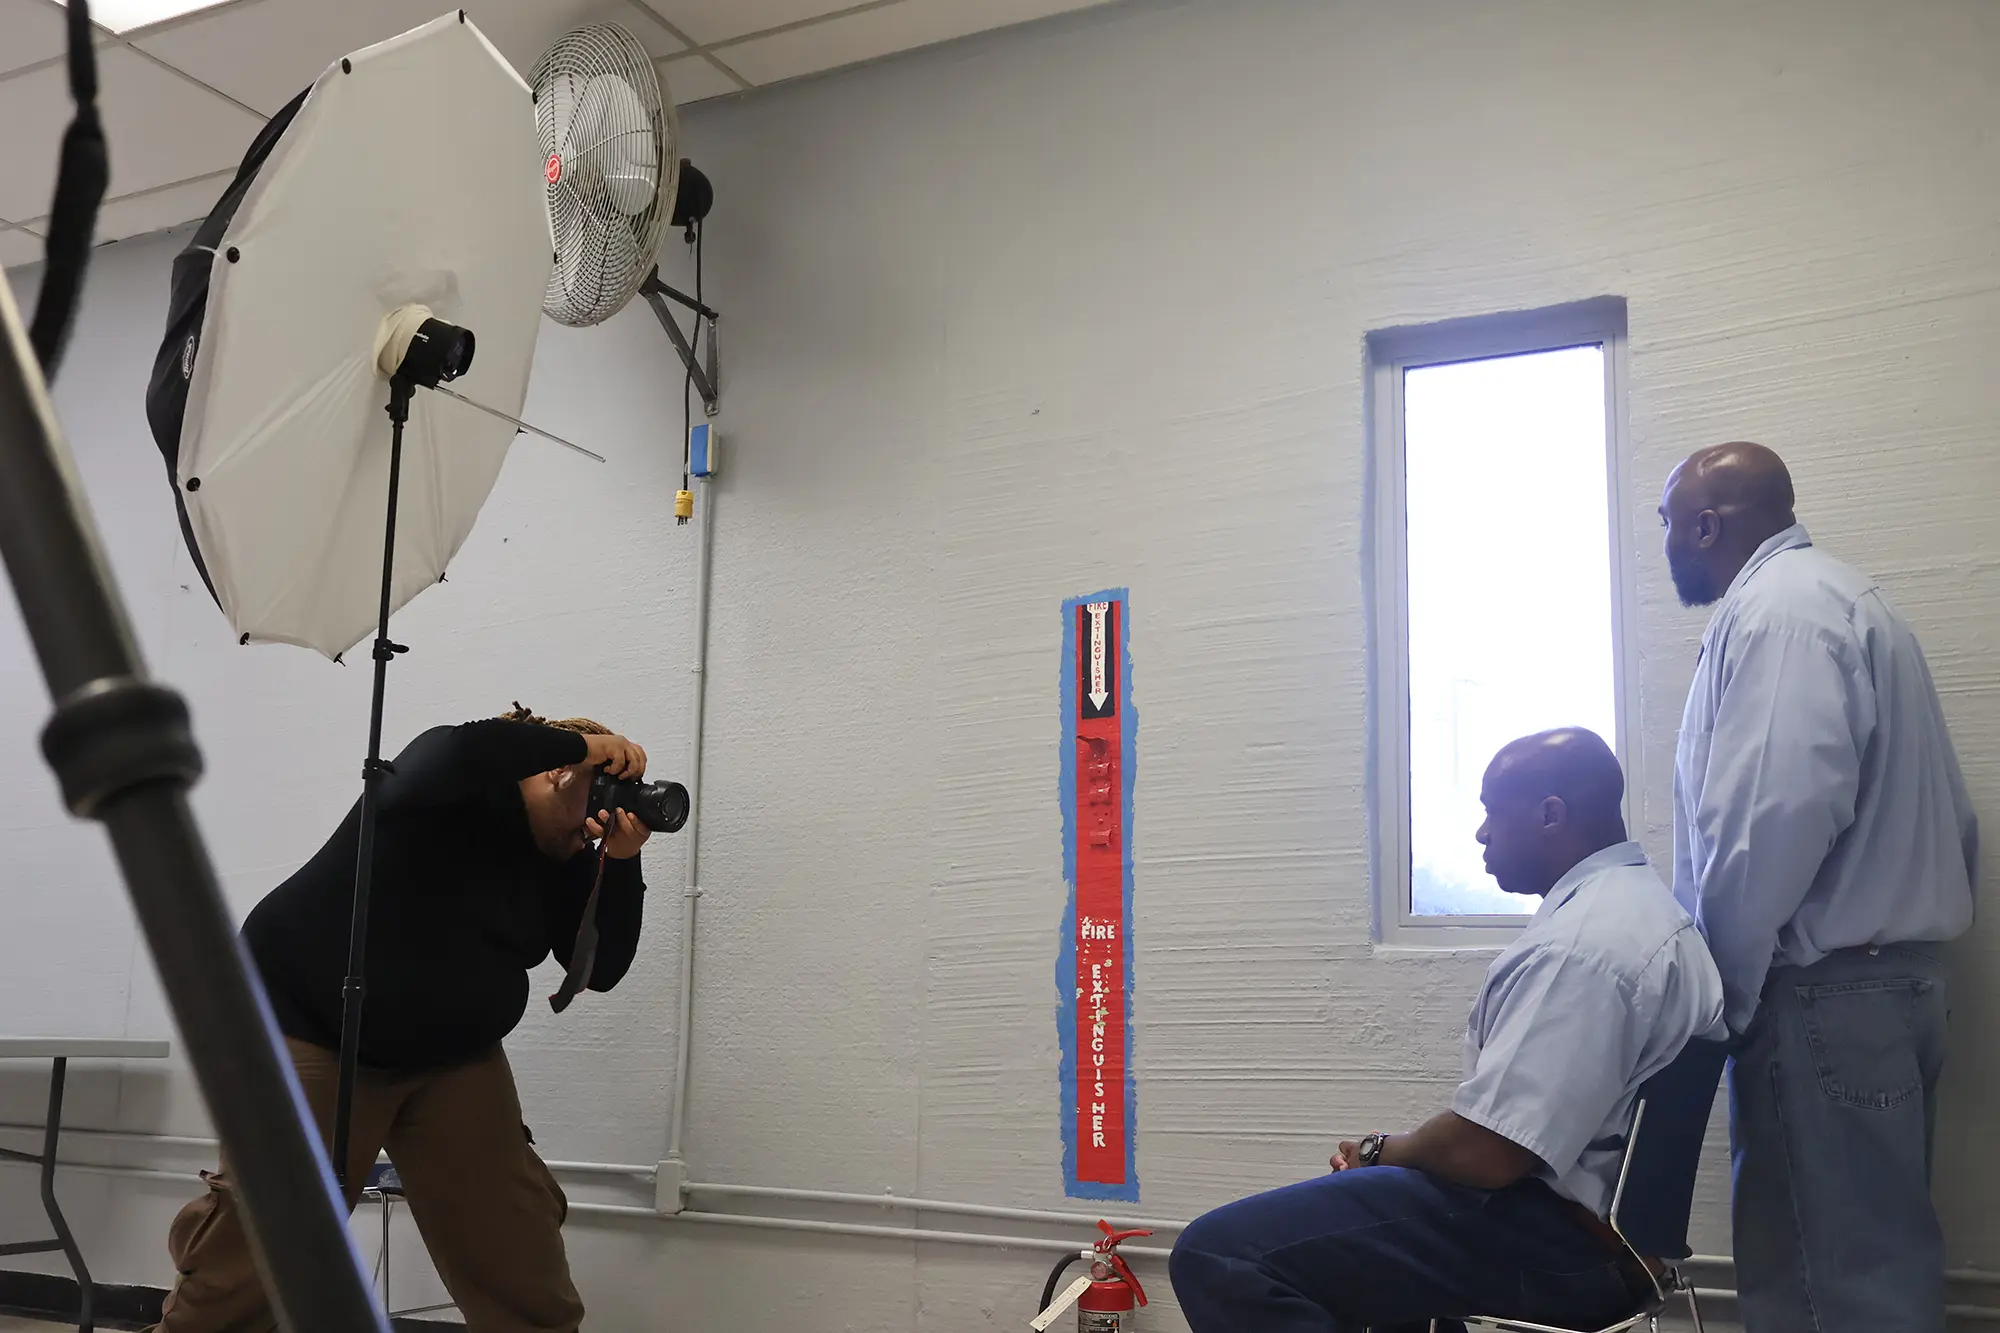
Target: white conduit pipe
1088, 1220
1979, 1313
117, 1136
1045, 1243
104, 1169
691, 895
645, 1174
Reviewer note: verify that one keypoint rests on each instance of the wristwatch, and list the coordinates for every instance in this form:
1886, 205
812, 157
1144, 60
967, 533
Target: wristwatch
1370, 1151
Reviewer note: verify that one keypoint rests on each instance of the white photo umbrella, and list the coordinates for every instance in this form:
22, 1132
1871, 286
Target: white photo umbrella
386, 233
409, 177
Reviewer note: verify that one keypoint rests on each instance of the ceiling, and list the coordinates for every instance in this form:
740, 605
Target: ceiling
181, 100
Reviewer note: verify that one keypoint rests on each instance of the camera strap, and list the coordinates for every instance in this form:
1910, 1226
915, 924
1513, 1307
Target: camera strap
583, 953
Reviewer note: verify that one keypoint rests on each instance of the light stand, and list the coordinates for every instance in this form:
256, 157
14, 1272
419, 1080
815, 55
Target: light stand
436, 352
124, 754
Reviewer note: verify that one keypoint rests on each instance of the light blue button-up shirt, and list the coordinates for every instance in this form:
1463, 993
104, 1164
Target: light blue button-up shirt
1602, 989
1817, 799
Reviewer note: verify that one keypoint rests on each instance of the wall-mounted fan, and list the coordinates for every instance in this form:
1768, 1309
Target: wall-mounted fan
616, 184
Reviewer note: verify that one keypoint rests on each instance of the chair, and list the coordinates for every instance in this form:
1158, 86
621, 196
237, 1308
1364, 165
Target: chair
384, 1187
1655, 1191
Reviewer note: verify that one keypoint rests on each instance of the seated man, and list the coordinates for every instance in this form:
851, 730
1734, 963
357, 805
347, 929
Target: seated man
1497, 1205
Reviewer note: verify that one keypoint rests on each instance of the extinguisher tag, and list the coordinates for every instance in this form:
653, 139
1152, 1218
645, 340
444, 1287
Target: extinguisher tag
1041, 1322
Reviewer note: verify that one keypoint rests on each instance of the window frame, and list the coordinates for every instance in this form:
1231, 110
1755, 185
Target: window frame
1389, 354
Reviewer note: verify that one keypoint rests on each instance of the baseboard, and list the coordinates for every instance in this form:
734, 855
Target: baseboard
44, 1296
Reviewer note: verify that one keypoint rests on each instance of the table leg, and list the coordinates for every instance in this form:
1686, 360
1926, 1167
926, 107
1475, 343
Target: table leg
49, 1205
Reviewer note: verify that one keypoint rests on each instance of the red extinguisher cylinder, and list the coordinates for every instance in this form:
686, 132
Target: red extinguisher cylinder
1114, 1294
1108, 1297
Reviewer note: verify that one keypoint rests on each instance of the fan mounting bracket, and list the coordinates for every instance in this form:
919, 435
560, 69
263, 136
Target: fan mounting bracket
703, 370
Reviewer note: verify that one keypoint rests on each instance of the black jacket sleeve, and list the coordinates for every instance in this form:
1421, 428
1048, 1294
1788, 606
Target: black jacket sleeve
620, 906
446, 763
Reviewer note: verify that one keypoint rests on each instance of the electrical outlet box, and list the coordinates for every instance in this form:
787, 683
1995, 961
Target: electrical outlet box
703, 454
670, 1186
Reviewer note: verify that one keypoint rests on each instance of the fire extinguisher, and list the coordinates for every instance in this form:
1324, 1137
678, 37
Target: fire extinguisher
1106, 1297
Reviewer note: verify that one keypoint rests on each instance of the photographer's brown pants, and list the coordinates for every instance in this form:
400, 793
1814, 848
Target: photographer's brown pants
490, 1213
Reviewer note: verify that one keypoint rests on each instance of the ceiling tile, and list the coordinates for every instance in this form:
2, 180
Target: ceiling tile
711, 21
264, 53
19, 247
880, 32
694, 79
30, 30
122, 17
161, 129
137, 214
640, 18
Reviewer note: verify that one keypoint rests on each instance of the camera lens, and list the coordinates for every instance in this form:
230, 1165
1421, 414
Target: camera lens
660, 806
670, 808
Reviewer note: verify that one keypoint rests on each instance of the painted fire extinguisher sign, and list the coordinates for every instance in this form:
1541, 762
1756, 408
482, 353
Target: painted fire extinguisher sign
1094, 970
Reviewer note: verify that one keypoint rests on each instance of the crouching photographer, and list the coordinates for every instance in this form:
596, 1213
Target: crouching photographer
483, 868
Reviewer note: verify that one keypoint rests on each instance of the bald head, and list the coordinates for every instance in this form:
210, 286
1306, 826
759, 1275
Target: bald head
1572, 764
1551, 800
1720, 505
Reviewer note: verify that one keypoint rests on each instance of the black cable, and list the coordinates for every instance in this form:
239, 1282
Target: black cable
1055, 1276
687, 383
80, 182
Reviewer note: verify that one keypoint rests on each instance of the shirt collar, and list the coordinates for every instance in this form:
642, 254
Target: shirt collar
1619, 854
1794, 538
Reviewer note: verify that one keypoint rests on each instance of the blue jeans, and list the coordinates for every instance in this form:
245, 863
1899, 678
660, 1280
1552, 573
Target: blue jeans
1832, 1108
1382, 1247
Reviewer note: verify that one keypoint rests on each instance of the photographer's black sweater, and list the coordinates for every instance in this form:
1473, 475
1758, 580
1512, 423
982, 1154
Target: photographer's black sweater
464, 904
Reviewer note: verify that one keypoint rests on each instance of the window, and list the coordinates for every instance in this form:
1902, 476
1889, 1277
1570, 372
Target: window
1499, 535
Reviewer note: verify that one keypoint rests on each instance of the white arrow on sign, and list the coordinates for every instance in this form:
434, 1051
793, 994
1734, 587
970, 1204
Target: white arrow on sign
1098, 694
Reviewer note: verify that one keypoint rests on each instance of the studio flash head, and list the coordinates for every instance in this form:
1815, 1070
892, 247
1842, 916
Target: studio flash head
439, 353
660, 806
415, 346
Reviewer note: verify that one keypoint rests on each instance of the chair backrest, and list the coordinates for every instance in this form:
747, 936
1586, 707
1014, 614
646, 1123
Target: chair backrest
1663, 1151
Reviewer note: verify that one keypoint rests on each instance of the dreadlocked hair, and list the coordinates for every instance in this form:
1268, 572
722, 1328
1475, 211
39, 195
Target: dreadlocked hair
583, 726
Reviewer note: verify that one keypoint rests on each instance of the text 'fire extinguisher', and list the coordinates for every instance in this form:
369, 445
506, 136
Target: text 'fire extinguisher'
1105, 1297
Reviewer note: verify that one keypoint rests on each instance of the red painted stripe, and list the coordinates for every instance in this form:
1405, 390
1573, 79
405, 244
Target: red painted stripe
1100, 909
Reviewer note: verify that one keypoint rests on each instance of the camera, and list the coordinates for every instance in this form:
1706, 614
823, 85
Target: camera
660, 806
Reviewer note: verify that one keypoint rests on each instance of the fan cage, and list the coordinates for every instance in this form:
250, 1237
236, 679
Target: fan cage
608, 134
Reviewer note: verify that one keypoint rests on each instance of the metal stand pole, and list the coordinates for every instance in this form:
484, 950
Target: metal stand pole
123, 753
354, 990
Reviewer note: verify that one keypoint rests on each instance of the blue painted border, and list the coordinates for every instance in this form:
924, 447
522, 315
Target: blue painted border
1128, 725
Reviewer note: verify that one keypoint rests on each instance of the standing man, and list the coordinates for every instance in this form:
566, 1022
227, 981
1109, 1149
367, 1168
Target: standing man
1824, 843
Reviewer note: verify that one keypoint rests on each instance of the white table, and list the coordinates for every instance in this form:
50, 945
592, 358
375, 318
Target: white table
59, 1051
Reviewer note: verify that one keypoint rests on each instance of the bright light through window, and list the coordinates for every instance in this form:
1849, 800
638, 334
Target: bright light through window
125, 15
1509, 591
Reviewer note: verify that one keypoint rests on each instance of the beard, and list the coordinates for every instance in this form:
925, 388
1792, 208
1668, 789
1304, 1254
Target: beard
1692, 583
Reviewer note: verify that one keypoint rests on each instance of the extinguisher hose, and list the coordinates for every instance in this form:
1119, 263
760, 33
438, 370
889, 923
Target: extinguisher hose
1055, 1276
